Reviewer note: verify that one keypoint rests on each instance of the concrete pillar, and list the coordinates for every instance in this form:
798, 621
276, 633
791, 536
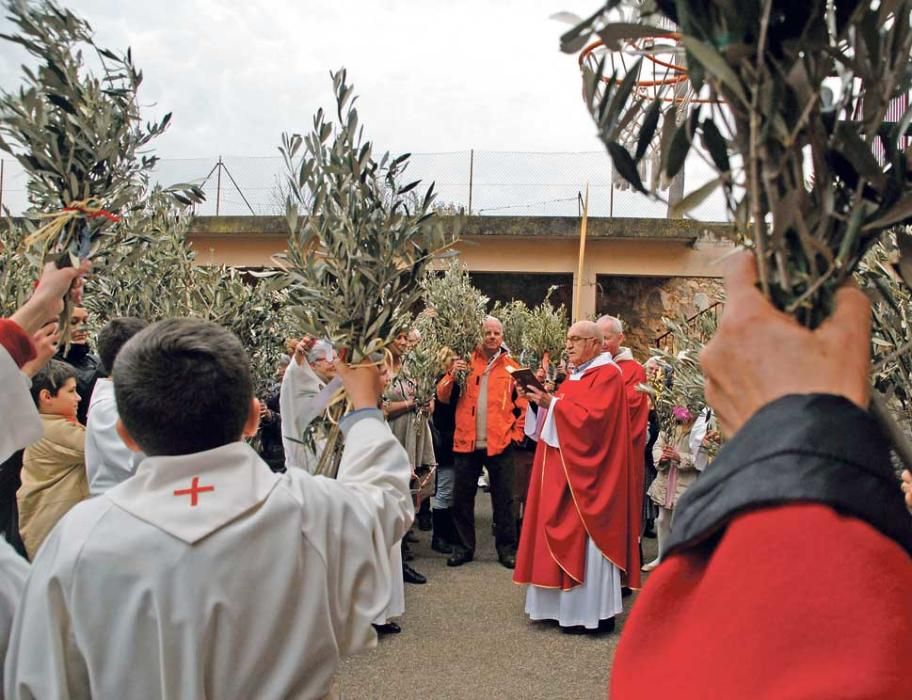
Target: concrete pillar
587, 292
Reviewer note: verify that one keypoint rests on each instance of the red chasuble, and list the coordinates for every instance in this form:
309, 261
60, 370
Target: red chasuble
638, 407
637, 403
583, 487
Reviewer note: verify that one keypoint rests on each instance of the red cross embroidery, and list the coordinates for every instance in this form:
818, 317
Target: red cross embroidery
194, 491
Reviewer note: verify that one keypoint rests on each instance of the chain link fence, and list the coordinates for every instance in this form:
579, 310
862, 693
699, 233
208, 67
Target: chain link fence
504, 183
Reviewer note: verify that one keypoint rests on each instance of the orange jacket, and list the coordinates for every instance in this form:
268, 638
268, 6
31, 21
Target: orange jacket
506, 409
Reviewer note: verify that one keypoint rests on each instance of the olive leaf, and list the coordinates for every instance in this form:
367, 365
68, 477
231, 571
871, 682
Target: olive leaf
798, 159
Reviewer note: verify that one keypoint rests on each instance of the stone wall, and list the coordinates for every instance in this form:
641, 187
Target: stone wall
642, 302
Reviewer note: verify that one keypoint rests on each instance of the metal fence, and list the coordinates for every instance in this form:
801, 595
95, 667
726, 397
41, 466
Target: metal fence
480, 182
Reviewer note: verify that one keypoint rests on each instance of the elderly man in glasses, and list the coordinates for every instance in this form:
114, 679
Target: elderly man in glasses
580, 532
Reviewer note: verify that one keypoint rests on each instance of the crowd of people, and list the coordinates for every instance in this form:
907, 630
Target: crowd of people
131, 485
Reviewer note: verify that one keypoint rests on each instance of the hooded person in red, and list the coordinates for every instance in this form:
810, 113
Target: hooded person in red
788, 572
580, 533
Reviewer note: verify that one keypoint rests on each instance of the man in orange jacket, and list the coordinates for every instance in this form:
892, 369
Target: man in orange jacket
489, 421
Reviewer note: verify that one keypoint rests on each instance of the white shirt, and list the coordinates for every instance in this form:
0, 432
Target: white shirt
108, 460
254, 592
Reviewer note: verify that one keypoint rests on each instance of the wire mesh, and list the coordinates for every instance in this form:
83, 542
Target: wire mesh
507, 183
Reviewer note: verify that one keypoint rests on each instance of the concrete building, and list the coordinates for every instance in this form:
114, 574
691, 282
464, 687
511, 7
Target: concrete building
638, 269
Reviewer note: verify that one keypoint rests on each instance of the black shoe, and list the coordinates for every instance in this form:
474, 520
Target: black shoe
576, 629
507, 559
407, 555
409, 575
460, 557
410, 536
606, 626
388, 628
425, 521
440, 545
625, 591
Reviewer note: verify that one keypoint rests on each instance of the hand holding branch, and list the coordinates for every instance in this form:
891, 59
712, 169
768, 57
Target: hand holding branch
761, 354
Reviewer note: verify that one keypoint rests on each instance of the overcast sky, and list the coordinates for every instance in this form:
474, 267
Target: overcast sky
433, 76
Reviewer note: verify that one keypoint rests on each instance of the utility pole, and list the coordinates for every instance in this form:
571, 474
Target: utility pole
218, 186
471, 177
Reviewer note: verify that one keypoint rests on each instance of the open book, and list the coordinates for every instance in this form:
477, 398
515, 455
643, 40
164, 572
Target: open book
525, 377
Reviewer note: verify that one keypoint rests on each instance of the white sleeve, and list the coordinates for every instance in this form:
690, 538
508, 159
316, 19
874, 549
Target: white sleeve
43, 660
549, 429
354, 521
530, 422
20, 424
299, 386
108, 460
13, 571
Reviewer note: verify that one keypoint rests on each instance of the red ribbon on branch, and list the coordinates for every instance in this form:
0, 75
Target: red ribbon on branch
95, 213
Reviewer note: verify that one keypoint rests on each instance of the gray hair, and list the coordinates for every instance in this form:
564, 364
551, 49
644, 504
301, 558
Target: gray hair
492, 319
321, 350
613, 322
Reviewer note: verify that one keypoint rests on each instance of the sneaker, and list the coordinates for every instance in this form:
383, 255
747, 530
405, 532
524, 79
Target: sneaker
651, 565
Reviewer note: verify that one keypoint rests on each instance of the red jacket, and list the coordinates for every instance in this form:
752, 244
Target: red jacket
788, 572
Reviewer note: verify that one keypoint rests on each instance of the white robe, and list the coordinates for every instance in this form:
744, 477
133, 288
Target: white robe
598, 597
20, 426
300, 386
108, 460
254, 592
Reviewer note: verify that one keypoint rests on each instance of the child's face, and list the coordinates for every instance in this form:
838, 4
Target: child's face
64, 403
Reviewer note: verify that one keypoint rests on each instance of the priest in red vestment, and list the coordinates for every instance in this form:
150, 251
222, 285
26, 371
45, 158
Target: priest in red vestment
580, 533
637, 404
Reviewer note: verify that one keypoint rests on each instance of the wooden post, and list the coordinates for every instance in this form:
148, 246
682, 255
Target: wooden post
584, 225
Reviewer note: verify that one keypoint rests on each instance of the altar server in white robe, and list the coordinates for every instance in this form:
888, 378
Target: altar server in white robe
307, 375
108, 460
206, 575
20, 423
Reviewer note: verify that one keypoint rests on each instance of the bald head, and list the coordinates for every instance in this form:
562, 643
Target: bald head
584, 342
612, 334
492, 336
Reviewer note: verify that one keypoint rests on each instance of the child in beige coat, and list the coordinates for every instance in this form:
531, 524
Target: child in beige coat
53, 468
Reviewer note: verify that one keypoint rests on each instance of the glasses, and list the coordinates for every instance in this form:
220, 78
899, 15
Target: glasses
579, 338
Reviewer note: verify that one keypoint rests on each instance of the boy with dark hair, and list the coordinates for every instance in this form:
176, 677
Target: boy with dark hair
108, 460
182, 604
53, 468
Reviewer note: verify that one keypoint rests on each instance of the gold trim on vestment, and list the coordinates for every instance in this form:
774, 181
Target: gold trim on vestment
547, 541
579, 512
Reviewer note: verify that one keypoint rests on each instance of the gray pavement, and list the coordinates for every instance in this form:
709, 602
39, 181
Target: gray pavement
465, 635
